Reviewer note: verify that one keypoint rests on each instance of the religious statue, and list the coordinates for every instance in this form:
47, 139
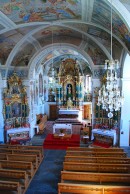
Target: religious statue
69, 103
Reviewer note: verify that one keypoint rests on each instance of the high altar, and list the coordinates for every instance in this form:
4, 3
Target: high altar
15, 109
70, 94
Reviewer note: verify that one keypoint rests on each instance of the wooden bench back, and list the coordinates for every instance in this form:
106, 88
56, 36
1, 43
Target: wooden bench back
7, 186
22, 151
14, 175
3, 156
85, 159
96, 167
91, 189
91, 153
95, 177
20, 157
18, 165
23, 147
95, 149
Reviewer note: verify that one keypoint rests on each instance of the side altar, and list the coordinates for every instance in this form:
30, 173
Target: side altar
108, 136
15, 110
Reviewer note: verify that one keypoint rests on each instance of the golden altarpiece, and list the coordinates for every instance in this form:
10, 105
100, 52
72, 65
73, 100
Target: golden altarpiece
15, 109
70, 94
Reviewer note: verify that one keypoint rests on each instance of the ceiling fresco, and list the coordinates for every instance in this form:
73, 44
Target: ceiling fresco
41, 10
102, 36
23, 56
96, 54
55, 30
26, 28
59, 35
1, 27
102, 16
126, 3
7, 43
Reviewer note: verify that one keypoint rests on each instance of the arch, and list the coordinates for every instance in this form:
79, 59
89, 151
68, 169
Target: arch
37, 60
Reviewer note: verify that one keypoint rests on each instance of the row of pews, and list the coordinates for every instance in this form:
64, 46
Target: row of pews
95, 170
18, 164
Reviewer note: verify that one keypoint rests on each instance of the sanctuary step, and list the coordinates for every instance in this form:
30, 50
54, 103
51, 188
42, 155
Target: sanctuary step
52, 142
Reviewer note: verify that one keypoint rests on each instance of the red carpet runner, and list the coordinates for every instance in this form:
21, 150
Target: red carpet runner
59, 143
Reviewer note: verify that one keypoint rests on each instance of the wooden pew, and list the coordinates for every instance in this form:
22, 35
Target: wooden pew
94, 154
3, 156
96, 167
15, 175
113, 149
78, 177
18, 165
23, 147
91, 189
22, 151
8, 186
22, 157
86, 159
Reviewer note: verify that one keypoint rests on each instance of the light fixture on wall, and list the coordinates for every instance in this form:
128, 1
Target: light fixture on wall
110, 94
53, 81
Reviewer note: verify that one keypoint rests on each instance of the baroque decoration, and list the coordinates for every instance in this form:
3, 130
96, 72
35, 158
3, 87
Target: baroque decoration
16, 109
71, 92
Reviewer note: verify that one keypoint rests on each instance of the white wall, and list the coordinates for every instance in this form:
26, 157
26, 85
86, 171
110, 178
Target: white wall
125, 112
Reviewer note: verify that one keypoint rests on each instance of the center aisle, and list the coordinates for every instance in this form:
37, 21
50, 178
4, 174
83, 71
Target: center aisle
49, 173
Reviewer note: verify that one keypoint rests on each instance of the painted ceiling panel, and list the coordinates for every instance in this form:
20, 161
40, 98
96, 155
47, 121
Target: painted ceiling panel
96, 54
60, 40
105, 39
41, 10
102, 16
69, 24
7, 43
126, 3
23, 55
28, 29
99, 34
60, 35
1, 27
57, 31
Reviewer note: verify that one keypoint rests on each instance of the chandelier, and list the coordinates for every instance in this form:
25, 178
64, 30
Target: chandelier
110, 95
53, 81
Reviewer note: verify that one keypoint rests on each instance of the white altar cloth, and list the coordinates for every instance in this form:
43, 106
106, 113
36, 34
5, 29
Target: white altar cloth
69, 111
17, 130
110, 133
62, 126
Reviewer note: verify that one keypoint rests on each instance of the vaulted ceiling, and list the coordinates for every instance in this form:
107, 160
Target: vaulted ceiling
81, 29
